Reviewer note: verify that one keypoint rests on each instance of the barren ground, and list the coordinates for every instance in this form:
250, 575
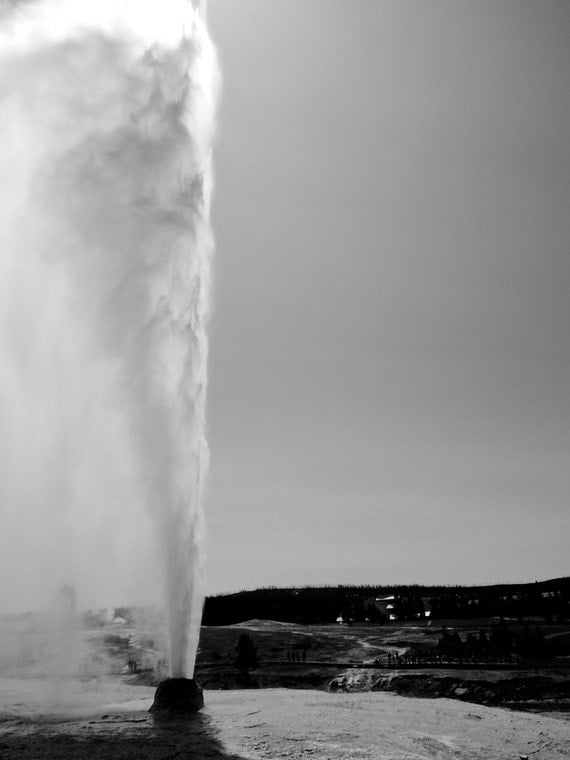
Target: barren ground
108, 720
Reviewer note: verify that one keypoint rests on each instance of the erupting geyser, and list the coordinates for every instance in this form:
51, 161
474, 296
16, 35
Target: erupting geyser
106, 122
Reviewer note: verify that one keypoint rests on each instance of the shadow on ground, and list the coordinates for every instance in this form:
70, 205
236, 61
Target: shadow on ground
116, 737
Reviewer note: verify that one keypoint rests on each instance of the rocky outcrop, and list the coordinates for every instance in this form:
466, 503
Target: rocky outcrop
522, 692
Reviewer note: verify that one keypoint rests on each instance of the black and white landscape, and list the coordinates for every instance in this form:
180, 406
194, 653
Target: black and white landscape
284, 420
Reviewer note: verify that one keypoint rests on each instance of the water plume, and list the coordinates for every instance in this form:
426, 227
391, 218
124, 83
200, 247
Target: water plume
106, 122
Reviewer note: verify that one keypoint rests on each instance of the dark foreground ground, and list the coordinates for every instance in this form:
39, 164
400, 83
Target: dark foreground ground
116, 736
275, 723
71, 719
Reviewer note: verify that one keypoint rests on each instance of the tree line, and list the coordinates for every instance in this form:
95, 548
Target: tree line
324, 604
499, 641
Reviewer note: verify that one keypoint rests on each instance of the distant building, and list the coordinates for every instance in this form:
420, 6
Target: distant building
387, 606
392, 607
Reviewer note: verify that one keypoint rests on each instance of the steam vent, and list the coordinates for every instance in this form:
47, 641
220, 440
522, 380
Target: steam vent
177, 696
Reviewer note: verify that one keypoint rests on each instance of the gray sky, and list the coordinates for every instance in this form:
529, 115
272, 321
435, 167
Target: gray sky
390, 360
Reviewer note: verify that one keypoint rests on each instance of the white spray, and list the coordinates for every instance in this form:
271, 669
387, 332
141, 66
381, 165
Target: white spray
106, 122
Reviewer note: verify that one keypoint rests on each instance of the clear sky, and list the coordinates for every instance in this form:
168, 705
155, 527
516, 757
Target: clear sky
390, 354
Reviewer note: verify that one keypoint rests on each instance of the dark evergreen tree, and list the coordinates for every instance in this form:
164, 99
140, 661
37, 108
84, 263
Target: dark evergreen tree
246, 653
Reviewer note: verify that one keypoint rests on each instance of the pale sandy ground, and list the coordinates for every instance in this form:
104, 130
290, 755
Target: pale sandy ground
110, 720
303, 724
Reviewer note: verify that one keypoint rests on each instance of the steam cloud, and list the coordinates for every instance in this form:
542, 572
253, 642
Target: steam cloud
106, 121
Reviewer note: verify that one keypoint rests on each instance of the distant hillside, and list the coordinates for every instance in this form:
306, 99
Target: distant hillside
549, 600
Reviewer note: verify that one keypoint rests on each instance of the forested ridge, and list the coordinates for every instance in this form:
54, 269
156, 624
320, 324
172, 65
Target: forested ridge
548, 599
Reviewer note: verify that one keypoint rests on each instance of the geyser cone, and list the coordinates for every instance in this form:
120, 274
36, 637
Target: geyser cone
177, 696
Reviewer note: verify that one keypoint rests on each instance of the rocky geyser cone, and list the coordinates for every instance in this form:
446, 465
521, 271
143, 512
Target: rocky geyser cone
177, 696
